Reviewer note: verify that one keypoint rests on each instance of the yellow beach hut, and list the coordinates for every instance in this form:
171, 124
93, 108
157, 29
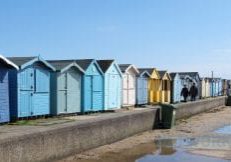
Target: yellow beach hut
154, 85
165, 93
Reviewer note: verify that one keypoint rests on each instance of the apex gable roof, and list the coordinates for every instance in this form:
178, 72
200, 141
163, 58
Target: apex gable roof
105, 64
8, 62
125, 67
84, 63
63, 65
143, 72
19, 61
23, 62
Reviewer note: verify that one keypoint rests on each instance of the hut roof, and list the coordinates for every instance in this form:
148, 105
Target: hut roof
7, 62
162, 73
173, 75
60, 64
105, 64
84, 63
63, 65
144, 71
21, 60
123, 67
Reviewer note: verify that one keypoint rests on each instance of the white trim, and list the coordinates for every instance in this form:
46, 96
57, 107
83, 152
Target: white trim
132, 66
145, 72
9, 62
73, 64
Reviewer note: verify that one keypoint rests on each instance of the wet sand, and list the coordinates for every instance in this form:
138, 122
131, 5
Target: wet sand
199, 125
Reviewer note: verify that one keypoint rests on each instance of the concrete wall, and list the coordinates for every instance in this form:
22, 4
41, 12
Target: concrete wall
58, 141
184, 110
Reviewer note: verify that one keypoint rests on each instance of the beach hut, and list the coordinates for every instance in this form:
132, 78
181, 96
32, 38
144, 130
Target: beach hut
128, 84
217, 88
112, 84
142, 87
224, 87
154, 86
92, 85
165, 95
5, 67
220, 87
176, 88
228, 87
66, 87
205, 88
188, 78
214, 87
30, 87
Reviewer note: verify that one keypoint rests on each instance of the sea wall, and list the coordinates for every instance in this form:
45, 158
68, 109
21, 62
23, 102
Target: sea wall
58, 141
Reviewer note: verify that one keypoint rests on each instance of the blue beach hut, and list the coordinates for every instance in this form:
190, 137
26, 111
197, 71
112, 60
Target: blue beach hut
216, 87
5, 66
142, 86
176, 88
220, 87
92, 85
112, 84
213, 87
30, 87
66, 87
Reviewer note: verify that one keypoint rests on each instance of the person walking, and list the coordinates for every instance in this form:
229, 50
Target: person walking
184, 93
193, 92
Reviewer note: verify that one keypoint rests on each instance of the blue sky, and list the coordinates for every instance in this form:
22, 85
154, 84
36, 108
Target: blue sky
177, 35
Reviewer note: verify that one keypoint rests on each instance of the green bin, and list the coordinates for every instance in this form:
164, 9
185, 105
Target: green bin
168, 116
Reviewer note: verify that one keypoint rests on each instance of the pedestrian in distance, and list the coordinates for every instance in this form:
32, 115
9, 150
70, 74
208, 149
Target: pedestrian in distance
185, 93
193, 92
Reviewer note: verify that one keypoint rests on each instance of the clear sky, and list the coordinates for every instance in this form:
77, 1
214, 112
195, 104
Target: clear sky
177, 35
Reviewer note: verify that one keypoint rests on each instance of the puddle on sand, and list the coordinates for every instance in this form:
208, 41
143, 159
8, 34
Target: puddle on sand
179, 156
163, 150
224, 130
175, 150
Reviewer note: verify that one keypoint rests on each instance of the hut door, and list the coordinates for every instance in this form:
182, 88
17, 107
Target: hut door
41, 97
142, 90
125, 89
26, 91
131, 90
62, 93
139, 90
113, 91
73, 91
4, 97
145, 90
97, 92
88, 93
177, 89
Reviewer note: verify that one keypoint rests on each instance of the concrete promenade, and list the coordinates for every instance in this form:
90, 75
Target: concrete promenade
54, 141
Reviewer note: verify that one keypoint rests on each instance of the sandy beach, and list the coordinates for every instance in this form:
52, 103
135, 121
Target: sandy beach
199, 125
